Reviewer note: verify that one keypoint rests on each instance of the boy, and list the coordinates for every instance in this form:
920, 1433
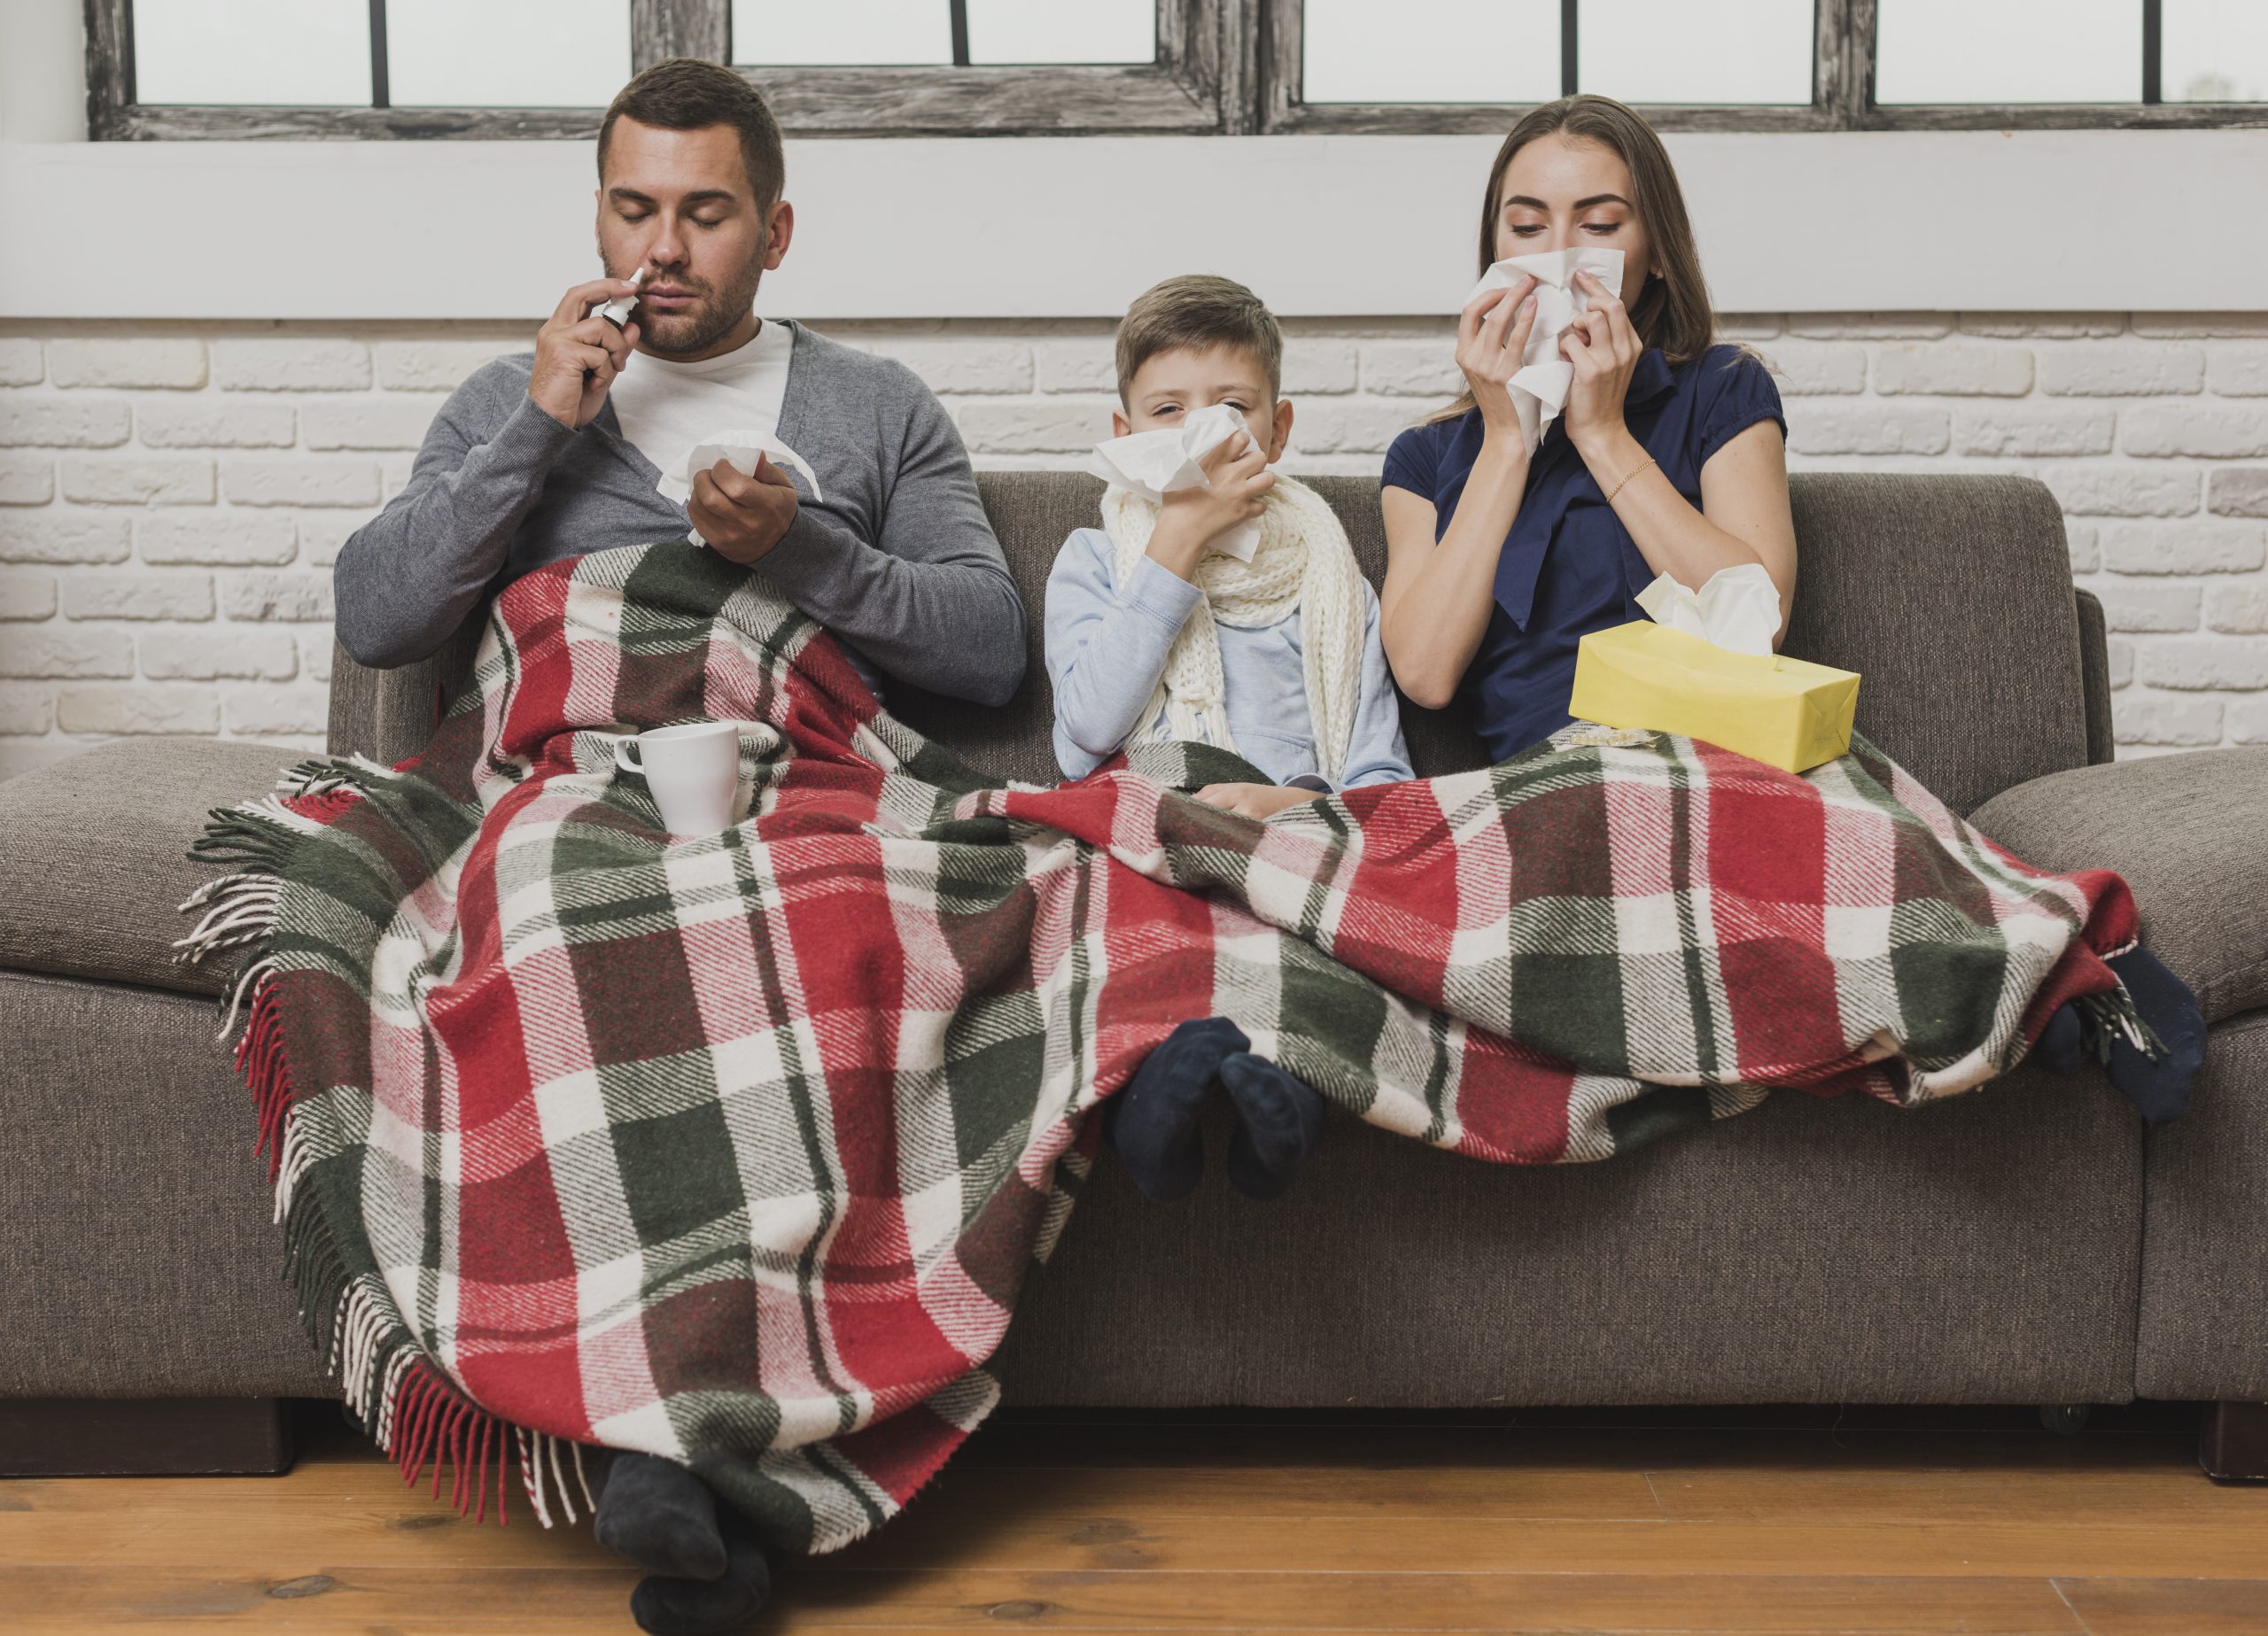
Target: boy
1153, 634
1156, 632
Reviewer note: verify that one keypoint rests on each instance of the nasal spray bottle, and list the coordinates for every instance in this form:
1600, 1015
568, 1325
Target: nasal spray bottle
617, 312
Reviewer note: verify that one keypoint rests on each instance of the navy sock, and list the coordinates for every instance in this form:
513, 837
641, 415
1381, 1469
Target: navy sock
1279, 1123
2060, 1046
2160, 1086
658, 1514
1151, 1124
665, 1606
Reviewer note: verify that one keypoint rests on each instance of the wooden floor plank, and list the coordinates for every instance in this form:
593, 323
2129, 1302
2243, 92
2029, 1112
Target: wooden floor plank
2171, 1607
1569, 1491
1426, 1602
1336, 1443
1316, 1528
932, 1536
2167, 1495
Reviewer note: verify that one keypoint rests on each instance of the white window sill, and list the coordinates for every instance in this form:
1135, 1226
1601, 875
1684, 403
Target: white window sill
1057, 227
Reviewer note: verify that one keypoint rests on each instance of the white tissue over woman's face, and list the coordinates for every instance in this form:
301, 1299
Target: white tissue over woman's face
1174, 385
1562, 195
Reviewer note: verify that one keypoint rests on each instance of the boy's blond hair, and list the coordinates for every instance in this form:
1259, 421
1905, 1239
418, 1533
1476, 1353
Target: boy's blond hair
1198, 311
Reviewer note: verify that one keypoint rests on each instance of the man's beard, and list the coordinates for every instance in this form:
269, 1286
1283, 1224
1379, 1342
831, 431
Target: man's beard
709, 321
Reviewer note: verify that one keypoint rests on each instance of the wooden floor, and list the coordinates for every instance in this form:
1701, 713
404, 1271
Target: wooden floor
1786, 1524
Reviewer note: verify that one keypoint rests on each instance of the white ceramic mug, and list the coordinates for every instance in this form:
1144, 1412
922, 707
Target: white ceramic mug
693, 770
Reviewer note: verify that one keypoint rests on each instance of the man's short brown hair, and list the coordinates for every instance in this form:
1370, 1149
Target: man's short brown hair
686, 94
1198, 311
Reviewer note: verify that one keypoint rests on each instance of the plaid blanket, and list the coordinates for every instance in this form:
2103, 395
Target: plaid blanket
735, 1150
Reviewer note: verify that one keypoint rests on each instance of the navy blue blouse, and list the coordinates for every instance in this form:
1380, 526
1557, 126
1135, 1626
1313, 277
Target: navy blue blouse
1569, 566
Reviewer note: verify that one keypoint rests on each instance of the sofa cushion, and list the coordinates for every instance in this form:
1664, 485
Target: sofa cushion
2187, 833
1951, 594
1977, 1249
139, 1257
97, 865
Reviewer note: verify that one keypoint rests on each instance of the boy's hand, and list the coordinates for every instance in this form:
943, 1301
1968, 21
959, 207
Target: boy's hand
1237, 481
742, 518
578, 354
1255, 801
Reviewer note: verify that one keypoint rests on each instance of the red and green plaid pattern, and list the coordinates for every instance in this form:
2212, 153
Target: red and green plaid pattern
735, 1150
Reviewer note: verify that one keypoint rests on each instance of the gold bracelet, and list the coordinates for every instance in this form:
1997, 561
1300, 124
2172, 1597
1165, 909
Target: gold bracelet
1627, 476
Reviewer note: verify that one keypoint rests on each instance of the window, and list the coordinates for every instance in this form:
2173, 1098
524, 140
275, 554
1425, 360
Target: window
900, 67
1521, 51
428, 68
1425, 66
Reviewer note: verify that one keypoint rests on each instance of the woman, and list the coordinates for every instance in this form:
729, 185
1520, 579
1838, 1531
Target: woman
1670, 456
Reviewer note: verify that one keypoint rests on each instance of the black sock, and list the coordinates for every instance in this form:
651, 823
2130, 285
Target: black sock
1279, 1123
2059, 1046
1151, 1124
2158, 1086
665, 1606
658, 1514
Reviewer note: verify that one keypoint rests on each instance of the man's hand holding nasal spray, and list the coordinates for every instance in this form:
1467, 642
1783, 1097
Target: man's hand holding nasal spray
582, 347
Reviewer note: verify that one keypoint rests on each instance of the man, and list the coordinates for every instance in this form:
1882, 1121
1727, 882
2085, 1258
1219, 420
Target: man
556, 454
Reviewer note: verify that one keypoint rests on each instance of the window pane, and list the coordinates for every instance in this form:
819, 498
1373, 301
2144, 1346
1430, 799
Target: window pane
307, 53
1431, 50
2008, 51
2214, 50
506, 53
768, 34
1053, 31
1676, 52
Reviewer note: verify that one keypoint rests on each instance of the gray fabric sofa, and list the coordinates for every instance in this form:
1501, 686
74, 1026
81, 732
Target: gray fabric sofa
2029, 1243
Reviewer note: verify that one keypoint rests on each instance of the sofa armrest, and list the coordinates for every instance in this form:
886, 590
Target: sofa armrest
2095, 678
2190, 834
390, 715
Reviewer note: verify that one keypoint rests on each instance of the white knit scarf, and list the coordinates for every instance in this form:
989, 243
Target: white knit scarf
1304, 563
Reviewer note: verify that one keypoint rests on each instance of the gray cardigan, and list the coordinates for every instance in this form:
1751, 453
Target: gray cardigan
898, 561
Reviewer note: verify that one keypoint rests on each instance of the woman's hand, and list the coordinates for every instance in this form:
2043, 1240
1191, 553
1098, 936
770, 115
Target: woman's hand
1492, 335
1605, 350
1255, 801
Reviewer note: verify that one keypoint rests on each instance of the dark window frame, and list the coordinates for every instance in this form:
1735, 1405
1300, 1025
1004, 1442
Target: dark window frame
1190, 88
1223, 67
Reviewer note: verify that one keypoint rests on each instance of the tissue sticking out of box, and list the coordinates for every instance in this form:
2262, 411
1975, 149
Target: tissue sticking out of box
1738, 609
1154, 464
741, 450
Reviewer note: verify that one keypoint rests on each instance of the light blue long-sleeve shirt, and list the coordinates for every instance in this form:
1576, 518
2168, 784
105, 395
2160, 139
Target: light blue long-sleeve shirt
1107, 648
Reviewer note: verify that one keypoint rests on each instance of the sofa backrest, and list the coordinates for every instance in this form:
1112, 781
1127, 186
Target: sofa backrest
1951, 595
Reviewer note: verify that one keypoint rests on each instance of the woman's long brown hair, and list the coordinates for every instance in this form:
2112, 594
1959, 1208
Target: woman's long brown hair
1673, 311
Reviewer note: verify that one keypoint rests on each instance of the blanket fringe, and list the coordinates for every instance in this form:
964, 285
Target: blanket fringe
402, 1400
2103, 1017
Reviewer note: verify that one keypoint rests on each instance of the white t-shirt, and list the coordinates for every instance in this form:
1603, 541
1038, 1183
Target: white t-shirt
664, 408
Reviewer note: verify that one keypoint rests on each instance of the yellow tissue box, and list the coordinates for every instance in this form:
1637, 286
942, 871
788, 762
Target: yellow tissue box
1787, 712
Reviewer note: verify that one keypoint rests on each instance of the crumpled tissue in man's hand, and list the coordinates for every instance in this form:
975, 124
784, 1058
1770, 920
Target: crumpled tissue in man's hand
1154, 464
740, 449
1540, 384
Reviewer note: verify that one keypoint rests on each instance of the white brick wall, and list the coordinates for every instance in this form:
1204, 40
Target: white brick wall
172, 496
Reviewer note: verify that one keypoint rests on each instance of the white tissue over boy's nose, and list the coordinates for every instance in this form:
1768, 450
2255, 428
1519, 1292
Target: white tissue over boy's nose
1738, 608
1540, 385
1154, 464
